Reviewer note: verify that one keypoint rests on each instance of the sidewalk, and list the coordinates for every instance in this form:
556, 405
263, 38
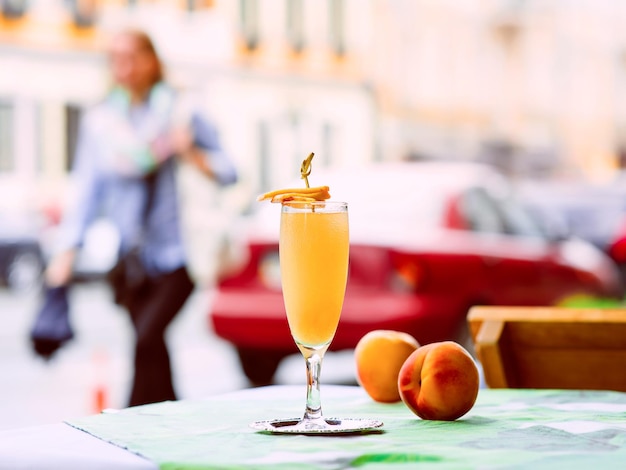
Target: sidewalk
95, 368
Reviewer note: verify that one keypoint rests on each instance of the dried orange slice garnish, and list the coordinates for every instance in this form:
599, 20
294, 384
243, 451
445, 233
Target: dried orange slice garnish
317, 193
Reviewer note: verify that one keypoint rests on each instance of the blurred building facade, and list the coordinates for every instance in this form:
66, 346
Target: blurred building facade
531, 85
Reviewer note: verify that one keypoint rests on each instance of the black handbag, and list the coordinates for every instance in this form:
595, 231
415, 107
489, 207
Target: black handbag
51, 328
129, 277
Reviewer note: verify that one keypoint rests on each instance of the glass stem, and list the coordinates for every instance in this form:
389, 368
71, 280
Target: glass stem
313, 358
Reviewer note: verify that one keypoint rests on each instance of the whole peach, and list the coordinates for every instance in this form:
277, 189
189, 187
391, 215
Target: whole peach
378, 356
439, 381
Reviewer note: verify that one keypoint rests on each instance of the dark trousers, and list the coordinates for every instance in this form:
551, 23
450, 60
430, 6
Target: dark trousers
151, 313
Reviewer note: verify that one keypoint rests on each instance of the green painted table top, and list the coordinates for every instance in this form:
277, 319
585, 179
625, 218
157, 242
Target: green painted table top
538, 429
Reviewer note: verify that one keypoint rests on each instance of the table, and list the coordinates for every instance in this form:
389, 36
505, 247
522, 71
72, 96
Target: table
507, 428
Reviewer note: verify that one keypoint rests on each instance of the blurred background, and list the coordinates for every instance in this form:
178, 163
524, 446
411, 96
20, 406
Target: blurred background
534, 88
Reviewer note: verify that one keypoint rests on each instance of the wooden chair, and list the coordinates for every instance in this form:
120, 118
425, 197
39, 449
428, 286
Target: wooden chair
551, 347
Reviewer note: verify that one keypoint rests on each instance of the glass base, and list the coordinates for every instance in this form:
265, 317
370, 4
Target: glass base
318, 426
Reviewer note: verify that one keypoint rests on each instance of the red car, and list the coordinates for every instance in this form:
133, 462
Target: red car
617, 249
428, 241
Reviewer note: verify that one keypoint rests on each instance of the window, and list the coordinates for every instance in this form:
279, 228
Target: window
39, 138
336, 9
7, 162
13, 8
518, 220
328, 135
196, 5
295, 25
249, 10
480, 212
263, 134
72, 121
501, 215
84, 12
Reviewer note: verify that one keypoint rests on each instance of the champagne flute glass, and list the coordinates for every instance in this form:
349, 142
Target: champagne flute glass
314, 246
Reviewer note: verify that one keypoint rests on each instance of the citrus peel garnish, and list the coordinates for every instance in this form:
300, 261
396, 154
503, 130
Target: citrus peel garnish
293, 198
321, 196
317, 193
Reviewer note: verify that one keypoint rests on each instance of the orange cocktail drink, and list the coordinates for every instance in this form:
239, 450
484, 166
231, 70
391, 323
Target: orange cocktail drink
314, 246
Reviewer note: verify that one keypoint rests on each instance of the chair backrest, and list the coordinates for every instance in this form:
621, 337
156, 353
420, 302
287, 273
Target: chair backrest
551, 347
